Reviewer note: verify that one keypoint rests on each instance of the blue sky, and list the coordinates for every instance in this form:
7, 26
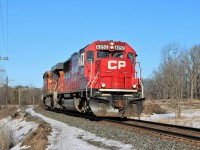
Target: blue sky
42, 33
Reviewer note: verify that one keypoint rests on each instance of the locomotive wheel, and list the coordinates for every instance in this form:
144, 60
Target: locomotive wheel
52, 104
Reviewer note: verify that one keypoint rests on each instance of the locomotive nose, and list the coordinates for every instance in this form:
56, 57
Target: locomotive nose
116, 108
115, 73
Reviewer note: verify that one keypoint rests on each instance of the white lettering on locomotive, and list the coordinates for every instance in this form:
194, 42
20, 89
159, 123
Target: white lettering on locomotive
101, 47
113, 64
121, 64
119, 47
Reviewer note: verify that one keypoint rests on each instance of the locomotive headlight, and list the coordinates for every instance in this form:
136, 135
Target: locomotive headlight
103, 85
111, 47
134, 86
111, 43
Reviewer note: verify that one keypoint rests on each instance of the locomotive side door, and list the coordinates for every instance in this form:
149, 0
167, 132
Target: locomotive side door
82, 81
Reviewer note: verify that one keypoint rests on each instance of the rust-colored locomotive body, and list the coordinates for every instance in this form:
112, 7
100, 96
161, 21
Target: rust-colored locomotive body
101, 79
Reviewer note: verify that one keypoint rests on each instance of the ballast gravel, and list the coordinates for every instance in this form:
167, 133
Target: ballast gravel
138, 141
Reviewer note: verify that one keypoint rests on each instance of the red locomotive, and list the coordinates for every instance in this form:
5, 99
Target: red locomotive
100, 79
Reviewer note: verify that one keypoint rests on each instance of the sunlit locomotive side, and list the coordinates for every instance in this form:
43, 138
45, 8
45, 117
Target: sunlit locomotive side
100, 79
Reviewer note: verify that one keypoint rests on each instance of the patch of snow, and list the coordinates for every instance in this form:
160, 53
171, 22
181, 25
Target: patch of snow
190, 114
161, 116
196, 124
65, 136
189, 118
5, 121
19, 128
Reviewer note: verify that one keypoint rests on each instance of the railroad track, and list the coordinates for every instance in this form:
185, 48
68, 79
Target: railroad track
183, 134
187, 135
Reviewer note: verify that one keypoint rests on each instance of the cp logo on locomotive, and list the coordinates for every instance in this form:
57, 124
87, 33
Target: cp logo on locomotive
113, 64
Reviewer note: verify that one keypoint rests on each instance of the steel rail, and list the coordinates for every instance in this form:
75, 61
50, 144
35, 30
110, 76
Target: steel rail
168, 125
165, 130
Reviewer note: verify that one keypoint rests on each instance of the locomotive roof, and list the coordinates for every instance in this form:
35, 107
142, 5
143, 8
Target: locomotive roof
74, 54
83, 49
57, 67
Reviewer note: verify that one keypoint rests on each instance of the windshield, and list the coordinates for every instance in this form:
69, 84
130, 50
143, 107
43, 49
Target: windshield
102, 54
117, 54
105, 54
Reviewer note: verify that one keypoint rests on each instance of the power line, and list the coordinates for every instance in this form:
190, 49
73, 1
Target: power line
7, 32
5, 45
2, 26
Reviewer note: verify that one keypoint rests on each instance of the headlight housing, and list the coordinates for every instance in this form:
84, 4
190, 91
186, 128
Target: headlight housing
134, 86
103, 85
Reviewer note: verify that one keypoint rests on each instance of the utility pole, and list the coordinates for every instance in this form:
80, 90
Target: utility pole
19, 101
1, 103
33, 98
19, 90
5, 58
7, 81
6, 90
2, 70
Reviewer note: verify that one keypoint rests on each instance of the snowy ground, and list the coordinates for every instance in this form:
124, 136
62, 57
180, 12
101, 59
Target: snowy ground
19, 129
191, 120
188, 118
64, 136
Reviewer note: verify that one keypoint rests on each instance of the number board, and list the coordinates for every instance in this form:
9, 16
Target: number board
102, 47
105, 47
119, 48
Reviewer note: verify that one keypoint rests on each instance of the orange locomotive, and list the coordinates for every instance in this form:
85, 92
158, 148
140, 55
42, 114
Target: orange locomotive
100, 79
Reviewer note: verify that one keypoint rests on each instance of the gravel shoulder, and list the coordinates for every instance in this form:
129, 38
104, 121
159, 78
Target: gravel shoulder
139, 141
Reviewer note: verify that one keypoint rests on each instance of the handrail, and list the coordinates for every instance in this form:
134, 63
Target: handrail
140, 69
142, 88
90, 76
140, 79
93, 83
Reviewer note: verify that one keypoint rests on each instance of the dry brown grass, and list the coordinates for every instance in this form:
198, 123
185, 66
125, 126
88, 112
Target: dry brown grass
38, 140
6, 140
151, 108
7, 111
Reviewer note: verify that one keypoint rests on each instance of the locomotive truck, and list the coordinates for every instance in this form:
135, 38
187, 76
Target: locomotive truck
100, 79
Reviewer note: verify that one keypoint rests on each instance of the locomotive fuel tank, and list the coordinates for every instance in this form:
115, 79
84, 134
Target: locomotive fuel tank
71, 104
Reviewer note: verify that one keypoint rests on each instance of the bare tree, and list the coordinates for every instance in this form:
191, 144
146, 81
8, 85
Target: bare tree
178, 75
192, 64
168, 80
172, 69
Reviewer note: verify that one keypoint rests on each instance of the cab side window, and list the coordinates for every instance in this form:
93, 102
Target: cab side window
131, 56
90, 56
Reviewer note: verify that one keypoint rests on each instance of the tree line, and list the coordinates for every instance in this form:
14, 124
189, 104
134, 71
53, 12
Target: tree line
18, 95
178, 74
